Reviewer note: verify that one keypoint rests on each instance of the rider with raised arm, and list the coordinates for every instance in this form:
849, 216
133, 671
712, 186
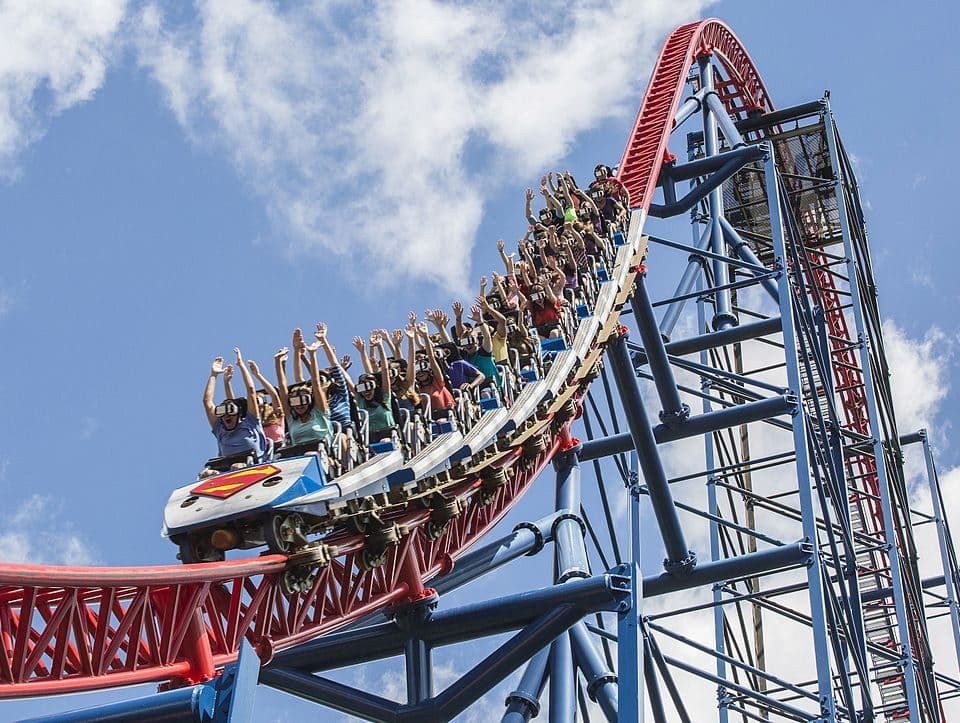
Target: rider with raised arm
234, 422
304, 406
271, 411
374, 394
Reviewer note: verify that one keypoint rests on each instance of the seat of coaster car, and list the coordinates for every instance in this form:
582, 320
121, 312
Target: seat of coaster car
223, 464
297, 450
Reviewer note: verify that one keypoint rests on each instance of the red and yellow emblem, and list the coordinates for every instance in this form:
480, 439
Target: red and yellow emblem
225, 485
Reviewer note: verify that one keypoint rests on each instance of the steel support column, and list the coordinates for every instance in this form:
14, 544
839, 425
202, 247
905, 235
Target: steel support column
601, 681
524, 703
674, 410
680, 559
723, 316
563, 681
630, 689
945, 543
890, 530
821, 645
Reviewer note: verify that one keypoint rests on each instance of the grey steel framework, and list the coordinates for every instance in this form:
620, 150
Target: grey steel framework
748, 416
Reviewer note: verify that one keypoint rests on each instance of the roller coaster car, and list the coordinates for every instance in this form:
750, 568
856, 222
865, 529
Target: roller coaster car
276, 504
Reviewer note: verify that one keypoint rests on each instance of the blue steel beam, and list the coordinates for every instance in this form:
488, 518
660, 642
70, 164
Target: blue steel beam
563, 681
695, 426
601, 681
496, 666
680, 559
727, 127
630, 663
490, 617
908, 661
732, 162
674, 410
527, 538
743, 251
733, 568
712, 163
723, 316
945, 540
568, 529
815, 585
331, 694
688, 280
417, 659
524, 703
184, 704
713, 339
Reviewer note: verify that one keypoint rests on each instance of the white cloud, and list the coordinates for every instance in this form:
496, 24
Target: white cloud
920, 372
54, 55
356, 131
35, 533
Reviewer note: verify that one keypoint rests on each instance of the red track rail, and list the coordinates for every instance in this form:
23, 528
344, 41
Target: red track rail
71, 629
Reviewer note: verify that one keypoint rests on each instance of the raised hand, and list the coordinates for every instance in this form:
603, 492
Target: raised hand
312, 347
217, 366
297, 341
397, 336
530, 194
458, 309
500, 245
321, 332
358, 344
412, 317
475, 313
253, 367
281, 355
345, 361
483, 283
228, 373
236, 350
374, 337
410, 330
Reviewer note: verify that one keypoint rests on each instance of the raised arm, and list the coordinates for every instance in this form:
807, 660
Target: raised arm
528, 210
267, 386
458, 316
253, 407
376, 341
439, 319
321, 336
297, 346
280, 366
410, 330
486, 342
319, 396
395, 341
228, 382
428, 345
364, 359
216, 369
551, 200
499, 318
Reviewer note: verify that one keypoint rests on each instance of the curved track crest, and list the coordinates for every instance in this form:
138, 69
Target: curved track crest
67, 629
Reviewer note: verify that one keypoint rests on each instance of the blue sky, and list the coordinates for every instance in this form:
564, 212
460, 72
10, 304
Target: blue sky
178, 180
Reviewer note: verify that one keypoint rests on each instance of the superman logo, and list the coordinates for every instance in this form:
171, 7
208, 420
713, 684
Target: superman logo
225, 485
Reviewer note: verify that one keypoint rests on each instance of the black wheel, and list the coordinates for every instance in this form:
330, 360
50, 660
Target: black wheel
282, 531
297, 579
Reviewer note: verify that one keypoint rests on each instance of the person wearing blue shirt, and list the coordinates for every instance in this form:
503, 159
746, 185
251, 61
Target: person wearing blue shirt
234, 422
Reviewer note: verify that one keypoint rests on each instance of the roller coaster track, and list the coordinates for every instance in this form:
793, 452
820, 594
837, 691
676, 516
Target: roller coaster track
67, 629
